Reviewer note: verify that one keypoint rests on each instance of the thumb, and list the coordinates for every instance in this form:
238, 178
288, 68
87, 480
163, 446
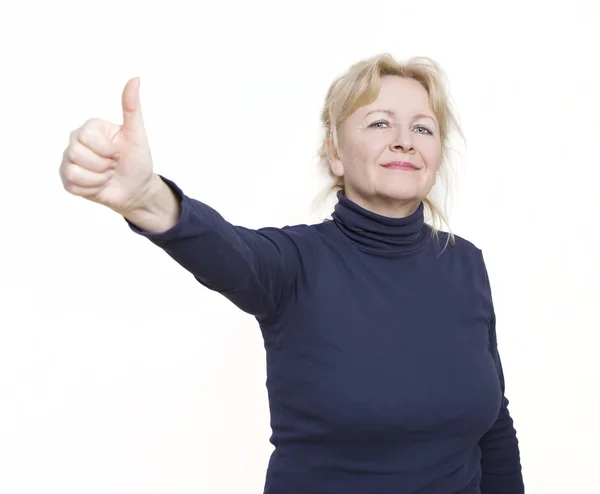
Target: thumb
133, 123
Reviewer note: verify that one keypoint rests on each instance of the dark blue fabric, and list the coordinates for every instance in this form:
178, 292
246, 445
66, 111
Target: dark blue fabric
383, 372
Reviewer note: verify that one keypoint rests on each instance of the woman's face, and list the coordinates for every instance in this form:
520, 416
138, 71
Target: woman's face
399, 126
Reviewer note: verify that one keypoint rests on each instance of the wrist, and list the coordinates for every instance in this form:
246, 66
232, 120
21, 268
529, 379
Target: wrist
157, 209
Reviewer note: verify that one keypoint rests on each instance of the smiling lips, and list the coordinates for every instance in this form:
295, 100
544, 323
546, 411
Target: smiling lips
400, 165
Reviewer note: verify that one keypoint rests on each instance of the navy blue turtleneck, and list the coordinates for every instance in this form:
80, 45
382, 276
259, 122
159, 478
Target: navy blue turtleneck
383, 372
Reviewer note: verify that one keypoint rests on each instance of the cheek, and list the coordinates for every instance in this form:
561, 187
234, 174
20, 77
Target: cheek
432, 157
358, 159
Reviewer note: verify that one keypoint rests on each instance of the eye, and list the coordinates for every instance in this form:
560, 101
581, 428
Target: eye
373, 125
427, 131
422, 129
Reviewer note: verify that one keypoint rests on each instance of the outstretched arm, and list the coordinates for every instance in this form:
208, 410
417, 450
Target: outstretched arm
255, 269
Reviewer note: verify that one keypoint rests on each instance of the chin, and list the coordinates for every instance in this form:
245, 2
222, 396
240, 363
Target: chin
400, 193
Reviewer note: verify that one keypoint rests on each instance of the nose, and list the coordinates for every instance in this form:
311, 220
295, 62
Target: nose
403, 140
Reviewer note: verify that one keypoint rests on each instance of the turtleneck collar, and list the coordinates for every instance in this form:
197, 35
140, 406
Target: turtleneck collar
380, 234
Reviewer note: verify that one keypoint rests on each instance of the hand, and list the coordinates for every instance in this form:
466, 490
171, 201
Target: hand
108, 163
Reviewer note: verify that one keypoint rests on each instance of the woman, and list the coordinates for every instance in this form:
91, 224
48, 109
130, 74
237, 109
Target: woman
383, 370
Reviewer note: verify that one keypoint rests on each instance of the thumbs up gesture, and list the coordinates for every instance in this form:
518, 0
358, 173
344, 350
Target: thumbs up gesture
108, 163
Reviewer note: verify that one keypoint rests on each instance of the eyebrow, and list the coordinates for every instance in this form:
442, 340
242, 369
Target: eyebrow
390, 112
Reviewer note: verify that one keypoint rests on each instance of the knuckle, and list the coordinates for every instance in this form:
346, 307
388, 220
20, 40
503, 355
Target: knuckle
71, 153
67, 186
87, 134
69, 173
92, 123
91, 129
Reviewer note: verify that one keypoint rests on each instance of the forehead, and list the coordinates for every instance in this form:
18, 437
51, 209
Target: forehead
401, 96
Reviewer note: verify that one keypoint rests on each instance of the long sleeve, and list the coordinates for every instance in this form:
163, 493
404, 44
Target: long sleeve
254, 269
500, 456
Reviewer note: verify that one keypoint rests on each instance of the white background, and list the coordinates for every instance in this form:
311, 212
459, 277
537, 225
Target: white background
119, 373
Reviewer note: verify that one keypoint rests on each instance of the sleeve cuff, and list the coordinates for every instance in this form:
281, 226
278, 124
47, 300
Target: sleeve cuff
175, 229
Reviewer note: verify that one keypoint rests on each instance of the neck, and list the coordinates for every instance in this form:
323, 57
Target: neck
380, 234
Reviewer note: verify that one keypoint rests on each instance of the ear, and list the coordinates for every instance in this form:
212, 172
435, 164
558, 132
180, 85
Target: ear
334, 160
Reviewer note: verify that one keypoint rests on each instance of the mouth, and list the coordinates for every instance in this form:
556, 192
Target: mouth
400, 165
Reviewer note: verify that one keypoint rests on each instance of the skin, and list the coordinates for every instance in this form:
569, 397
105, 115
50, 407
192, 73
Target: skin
111, 164
369, 140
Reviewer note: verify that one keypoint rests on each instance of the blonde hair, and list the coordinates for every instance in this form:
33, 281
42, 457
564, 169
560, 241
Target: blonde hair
360, 85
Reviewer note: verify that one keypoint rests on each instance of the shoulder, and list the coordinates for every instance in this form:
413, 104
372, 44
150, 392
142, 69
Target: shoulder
297, 232
301, 232
462, 251
466, 245
456, 244
300, 240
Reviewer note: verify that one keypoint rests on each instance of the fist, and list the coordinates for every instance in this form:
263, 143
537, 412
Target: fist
111, 164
